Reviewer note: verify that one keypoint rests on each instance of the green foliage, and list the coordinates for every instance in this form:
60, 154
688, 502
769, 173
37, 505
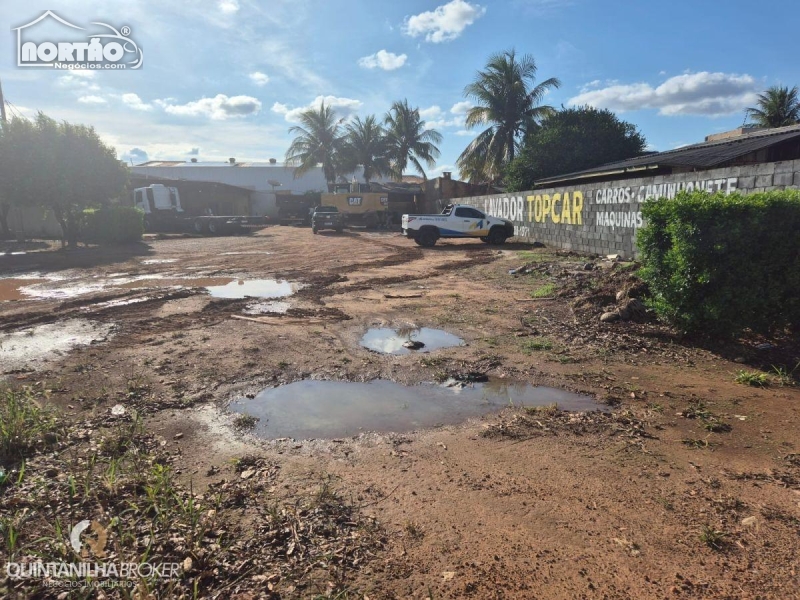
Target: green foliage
779, 106
365, 144
508, 100
24, 425
112, 225
408, 140
721, 264
318, 141
572, 140
752, 378
60, 166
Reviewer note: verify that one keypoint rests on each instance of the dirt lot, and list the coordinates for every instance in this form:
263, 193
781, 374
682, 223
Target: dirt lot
689, 487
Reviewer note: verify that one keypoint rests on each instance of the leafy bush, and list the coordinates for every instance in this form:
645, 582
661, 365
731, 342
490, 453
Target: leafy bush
112, 225
721, 264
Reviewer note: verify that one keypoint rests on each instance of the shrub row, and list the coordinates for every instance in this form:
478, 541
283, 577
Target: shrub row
721, 264
112, 225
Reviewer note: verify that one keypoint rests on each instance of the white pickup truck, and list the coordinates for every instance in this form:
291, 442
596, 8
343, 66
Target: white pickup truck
457, 221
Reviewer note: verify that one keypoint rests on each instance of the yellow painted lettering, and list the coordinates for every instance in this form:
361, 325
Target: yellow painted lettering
546, 206
530, 207
554, 213
566, 210
537, 208
577, 208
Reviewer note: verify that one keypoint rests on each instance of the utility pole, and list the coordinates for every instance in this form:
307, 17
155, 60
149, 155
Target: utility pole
2, 104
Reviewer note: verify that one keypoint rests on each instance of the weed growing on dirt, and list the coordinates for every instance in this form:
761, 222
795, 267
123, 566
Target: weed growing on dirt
544, 291
752, 378
548, 410
245, 421
413, 530
24, 424
783, 376
712, 537
703, 444
537, 344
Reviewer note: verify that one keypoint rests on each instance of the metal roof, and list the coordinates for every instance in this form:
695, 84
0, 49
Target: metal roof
705, 155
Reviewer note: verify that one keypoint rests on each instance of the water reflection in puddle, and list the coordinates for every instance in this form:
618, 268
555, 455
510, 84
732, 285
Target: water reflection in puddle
252, 288
260, 308
390, 341
328, 409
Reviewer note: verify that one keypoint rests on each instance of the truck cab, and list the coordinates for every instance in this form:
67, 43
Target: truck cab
157, 198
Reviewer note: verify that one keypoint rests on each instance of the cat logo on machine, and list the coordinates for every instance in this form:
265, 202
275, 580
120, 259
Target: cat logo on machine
354, 200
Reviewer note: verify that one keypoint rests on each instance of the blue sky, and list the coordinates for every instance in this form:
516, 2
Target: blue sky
225, 78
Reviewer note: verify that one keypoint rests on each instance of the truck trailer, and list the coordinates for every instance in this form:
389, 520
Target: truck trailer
163, 213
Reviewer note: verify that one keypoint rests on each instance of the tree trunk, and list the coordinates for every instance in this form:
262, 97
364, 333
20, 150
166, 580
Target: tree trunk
59, 215
5, 231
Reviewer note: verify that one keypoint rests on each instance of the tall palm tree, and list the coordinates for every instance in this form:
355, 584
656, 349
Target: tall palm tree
318, 141
409, 141
506, 100
777, 107
365, 145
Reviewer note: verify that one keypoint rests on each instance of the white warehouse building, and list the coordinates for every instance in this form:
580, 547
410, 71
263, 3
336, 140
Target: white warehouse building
260, 180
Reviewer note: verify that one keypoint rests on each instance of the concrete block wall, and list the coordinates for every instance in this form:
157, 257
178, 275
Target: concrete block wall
602, 218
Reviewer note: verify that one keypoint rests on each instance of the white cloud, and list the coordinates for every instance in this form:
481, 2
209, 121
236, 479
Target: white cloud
466, 133
135, 155
388, 61
432, 112
344, 107
461, 108
79, 79
92, 100
704, 93
229, 7
436, 118
218, 108
445, 23
136, 103
259, 78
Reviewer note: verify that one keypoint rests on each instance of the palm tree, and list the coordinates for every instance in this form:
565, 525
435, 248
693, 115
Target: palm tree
507, 100
318, 141
365, 145
409, 141
777, 107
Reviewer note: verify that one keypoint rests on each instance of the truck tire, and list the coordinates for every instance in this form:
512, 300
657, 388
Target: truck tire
148, 226
485, 239
497, 237
427, 238
199, 226
215, 227
340, 230
313, 230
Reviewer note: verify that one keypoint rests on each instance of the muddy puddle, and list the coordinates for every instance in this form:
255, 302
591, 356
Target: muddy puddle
15, 289
406, 340
32, 347
253, 288
331, 409
261, 308
51, 288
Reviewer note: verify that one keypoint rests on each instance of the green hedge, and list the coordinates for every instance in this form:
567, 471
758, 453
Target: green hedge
112, 225
721, 264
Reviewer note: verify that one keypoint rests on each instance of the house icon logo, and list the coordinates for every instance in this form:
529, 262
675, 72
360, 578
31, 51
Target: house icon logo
75, 47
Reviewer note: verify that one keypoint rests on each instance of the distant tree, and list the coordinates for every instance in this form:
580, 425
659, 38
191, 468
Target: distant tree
409, 141
365, 144
318, 141
779, 106
572, 140
63, 167
506, 100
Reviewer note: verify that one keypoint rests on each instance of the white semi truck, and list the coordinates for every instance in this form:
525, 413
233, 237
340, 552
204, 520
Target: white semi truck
163, 212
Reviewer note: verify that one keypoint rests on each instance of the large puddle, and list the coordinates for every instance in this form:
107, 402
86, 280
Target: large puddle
411, 339
30, 348
331, 409
52, 288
